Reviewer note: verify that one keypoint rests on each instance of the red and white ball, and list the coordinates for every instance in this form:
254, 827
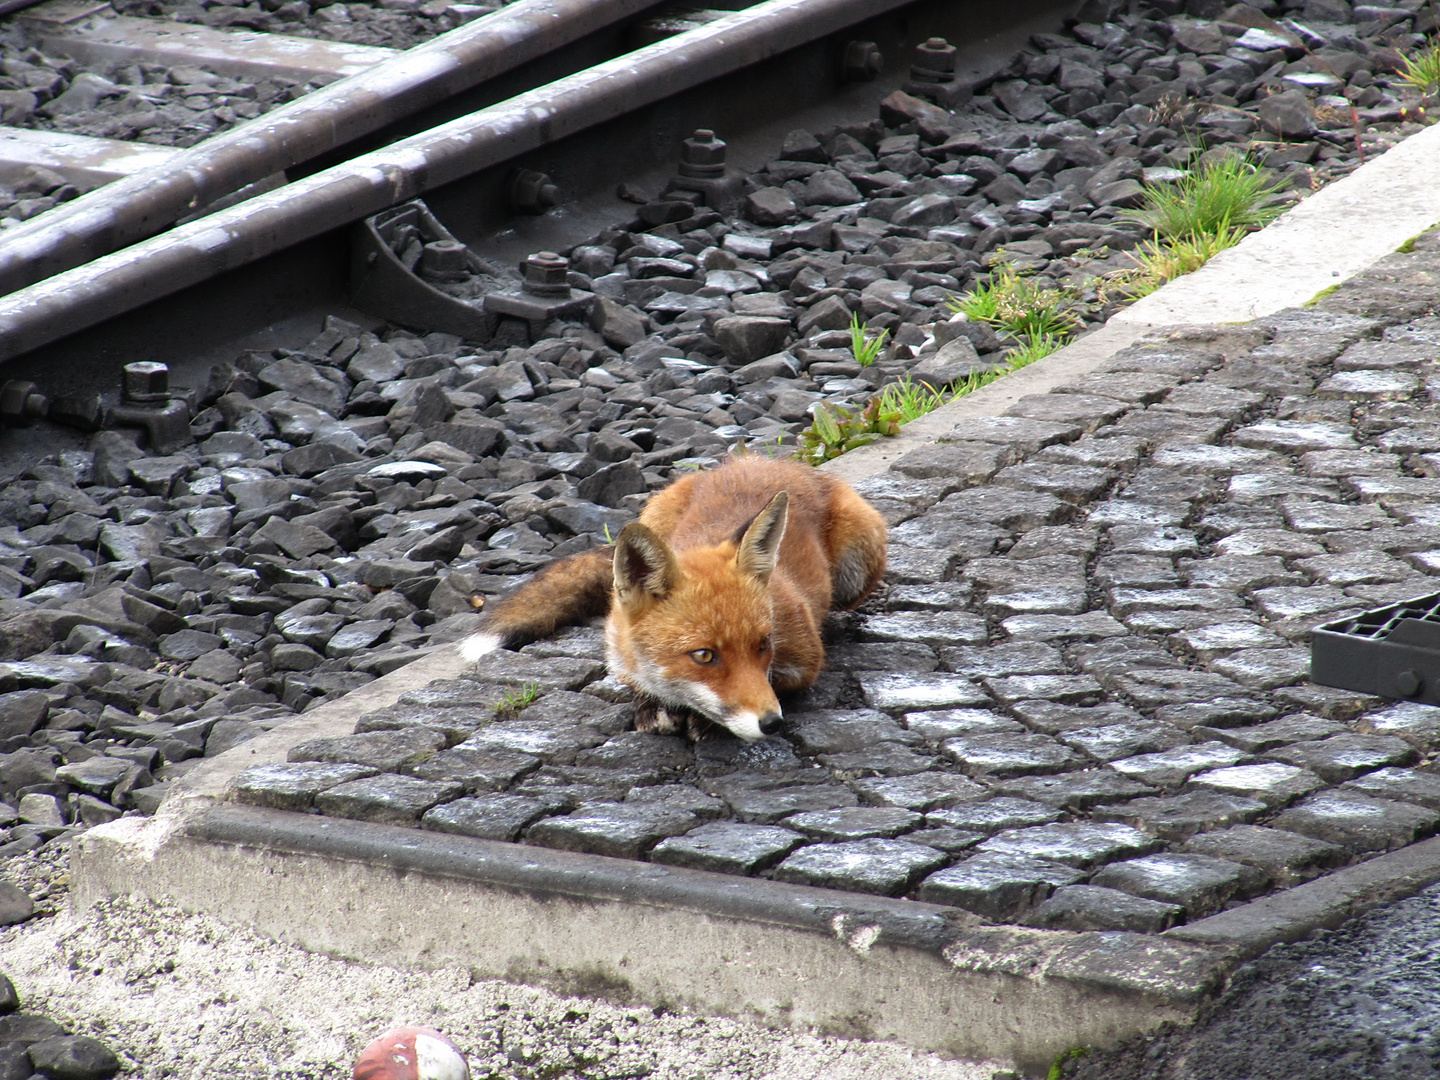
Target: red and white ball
411, 1053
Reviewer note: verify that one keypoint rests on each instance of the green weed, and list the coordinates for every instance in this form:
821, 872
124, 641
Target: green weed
1209, 200
1422, 71
1057, 1068
911, 400
1160, 260
1032, 349
1321, 295
1017, 304
865, 348
837, 429
517, 699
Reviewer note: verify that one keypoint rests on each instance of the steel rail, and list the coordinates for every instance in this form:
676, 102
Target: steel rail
141, 205
194, 252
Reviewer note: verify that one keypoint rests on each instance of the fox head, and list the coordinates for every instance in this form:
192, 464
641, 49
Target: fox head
693, 628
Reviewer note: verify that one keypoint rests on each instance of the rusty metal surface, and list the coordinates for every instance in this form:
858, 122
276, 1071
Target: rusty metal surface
143, 204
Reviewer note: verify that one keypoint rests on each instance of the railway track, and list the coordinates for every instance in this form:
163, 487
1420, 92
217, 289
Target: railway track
306, 135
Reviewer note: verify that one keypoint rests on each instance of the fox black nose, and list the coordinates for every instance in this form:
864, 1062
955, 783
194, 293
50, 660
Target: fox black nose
770, 723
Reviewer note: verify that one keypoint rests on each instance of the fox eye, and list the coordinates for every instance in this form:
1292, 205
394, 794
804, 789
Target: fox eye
704, 656
765, 644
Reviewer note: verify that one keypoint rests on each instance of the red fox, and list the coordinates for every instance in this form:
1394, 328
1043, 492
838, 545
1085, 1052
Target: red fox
715, 596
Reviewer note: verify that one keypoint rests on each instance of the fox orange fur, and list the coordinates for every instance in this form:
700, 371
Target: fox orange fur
716, 595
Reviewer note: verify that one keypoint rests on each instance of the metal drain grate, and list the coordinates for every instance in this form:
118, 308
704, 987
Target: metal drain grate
1393, 651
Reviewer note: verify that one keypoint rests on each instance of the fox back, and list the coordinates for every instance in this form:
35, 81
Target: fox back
716, 595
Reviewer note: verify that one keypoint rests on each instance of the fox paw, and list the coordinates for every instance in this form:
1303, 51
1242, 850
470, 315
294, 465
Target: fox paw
657, 718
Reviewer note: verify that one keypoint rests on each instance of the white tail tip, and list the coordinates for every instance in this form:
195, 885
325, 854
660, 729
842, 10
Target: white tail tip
477, 645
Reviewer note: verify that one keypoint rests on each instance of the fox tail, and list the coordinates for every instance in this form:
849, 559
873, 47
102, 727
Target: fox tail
565, 593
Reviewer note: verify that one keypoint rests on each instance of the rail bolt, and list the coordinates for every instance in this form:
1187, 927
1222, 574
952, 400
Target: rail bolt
546, 274
934, 61
145, 380
21, 403
532, 192
702, 156
444, 260
862, 62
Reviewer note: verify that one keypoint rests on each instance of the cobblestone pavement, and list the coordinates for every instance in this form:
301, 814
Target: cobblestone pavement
1081, 701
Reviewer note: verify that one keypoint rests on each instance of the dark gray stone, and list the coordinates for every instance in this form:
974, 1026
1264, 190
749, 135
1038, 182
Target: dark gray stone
728, 847
1286, 857
1260, 738
993, 815
1357, 823
1089, 907
26, 1029
1406, 785
74, 1057
1079, 844
1075, 790
1018, 511
1115, 741
829, 731
292, 786
1201, 884
625, 830
477, 769
883, 867
492, 817
768, 805
920, 791
930, 628
558, 743
15, 904
389, 799
854, 822
383, 750
998, 887
901, 692
1180, 817
1345, 756
543, 673
1171, 768
1003, 755
1273, 784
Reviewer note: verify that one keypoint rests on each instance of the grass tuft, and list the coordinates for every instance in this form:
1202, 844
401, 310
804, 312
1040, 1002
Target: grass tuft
1422, 71
1013, 302
1208, 201
863, 347
1158, 261
517, 700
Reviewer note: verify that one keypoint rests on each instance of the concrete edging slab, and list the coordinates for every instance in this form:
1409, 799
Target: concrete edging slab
783, 955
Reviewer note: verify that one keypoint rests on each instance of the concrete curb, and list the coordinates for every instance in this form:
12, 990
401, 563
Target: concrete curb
781, 955
1249, 930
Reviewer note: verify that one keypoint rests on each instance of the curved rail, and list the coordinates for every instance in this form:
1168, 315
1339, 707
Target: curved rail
138, 206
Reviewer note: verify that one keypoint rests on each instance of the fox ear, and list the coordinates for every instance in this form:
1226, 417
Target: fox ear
644, 564
761, 542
